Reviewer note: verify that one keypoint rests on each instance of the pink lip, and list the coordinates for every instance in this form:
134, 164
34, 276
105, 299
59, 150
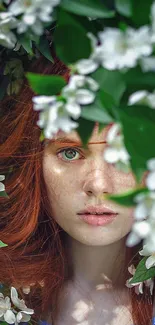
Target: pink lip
97, 209
90, 217
95, 220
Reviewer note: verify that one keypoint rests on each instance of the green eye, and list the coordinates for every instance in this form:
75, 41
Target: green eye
69, 154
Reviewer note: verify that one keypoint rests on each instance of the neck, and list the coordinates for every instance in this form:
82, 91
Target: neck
97, 266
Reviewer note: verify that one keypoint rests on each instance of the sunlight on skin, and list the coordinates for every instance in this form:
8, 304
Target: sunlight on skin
107, 283
81, 311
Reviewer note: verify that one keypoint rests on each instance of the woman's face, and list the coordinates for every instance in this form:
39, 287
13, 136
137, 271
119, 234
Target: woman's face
76, 178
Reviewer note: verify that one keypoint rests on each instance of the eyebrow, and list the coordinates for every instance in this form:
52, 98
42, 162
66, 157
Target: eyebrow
73, 142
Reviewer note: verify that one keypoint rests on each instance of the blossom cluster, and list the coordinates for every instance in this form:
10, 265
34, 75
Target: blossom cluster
144, 213
24, 16
144, 228
57, 110
14, 310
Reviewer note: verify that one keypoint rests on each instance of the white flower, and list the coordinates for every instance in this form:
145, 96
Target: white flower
116, 153
7, 37
56, 113
150, 180
144, 229
2, 187
24, 314
142, 97
34, 14
151, 259
115, 51
120, 50
139, 285
54, 117
76, 93
6, 314
140, 230
78, 81
145, 206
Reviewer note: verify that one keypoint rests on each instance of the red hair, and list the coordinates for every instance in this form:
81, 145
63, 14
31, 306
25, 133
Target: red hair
36, 244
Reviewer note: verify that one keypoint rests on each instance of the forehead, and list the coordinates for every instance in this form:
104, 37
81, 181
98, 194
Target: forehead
96, 136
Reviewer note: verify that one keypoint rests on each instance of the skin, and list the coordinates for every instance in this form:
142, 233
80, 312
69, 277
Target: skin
73, 185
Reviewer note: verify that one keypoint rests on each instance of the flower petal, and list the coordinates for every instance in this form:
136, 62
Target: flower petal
141, 211
150, 181
150, 262
2, 187
111, 155
151, 164
86, 66
73, 109
142, 228
131, 269
144, 251
137, 97
9, 317
84, 96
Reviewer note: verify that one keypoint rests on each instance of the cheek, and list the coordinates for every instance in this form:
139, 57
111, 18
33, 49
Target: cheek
123, 182
59, 183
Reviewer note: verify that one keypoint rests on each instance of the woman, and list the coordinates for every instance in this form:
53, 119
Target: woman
75, 261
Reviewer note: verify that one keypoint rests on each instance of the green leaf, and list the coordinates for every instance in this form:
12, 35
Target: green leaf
111, 82
141, 12
142, 273
71, 41
96, 112
108, 104
26, 42
85, 130
3, 194
47, 85
124, 7
2, 244
138, 125
44, 48
42, 136
134, 79
88, 8
126, 198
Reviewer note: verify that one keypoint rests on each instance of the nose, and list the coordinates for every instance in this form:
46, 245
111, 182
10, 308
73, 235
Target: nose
98, 181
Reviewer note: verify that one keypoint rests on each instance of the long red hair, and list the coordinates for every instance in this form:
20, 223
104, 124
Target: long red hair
36, 244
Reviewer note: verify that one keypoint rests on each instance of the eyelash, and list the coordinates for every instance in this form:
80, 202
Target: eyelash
71, 148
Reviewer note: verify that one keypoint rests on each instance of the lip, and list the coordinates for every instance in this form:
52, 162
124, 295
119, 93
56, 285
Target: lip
95, 220
90, 217
97, 209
